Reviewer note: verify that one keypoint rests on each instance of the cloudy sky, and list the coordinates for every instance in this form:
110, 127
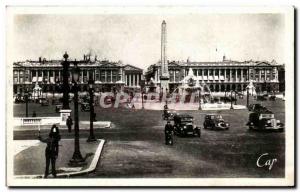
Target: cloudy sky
135, 39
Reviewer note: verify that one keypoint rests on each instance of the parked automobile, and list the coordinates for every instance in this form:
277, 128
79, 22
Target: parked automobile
215, 122
264, 120
184, 125
227, 99
58, 108
240, 95
272, 98
44, 102
261, 98
85, 107
256, 107
168, 114
19, 99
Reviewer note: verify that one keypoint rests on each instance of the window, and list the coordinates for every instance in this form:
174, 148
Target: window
15, 80
21, 79
195, 72
114, 75
102, 76
16, 72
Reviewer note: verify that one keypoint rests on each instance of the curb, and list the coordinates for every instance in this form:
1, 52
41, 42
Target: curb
90, 169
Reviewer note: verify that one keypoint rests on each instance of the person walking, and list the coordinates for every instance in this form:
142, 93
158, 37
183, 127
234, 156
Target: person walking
169, 133
52, 150
69, 124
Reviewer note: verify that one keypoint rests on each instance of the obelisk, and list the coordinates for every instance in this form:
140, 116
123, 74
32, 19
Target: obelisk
164, 75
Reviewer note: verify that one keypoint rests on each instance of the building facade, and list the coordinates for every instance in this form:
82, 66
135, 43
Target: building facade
107, 76
222, 76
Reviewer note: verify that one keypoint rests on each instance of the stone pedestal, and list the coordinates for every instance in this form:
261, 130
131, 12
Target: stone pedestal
164, 83
64, 114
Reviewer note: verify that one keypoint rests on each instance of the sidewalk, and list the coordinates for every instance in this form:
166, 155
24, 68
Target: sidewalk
29, 158
84, 125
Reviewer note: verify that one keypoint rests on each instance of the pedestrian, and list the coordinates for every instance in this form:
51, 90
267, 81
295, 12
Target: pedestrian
54, 132
51, 151
168, 133
34, 114
69, 124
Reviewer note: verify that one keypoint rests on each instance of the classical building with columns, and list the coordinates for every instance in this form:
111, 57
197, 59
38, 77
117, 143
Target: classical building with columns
219, 76
47, 75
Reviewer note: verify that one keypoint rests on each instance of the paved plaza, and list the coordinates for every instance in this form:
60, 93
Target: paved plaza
135, 146
29, 158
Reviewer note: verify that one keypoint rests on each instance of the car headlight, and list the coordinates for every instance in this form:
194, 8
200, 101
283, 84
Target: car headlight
227, 124
278, 121
184, 127
269, 121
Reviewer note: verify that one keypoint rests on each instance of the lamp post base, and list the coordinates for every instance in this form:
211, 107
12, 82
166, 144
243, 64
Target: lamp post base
231, 107
77, 160
91, 139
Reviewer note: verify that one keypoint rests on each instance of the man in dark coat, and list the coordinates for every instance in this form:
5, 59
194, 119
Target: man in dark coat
168, 130
69, 124
52, 149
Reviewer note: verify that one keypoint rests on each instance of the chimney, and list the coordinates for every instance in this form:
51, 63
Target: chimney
224, 58
44, 60
84, 57
95, 57
40, 59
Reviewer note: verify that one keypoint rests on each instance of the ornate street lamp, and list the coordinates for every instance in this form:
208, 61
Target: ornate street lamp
200, 108
142, 99
92, 117
231, 107
77, 157
235, 97
26, 101
167, 97
247, 97
65, 87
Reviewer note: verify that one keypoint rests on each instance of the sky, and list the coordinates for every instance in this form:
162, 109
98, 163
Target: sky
135, 39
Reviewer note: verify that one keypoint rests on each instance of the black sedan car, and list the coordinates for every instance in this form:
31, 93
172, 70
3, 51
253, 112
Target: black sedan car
215, 122
184, 125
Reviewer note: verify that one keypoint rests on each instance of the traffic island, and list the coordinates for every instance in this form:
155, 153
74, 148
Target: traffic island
30, 162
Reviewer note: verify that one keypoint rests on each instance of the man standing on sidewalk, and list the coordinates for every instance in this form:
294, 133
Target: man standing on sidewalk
69, 124
51, 151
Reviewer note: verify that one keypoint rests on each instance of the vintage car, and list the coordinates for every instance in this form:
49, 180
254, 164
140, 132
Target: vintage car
215, 122
256, 107
272, 98
58, 108
19, 99
44, 102
264, 120
168, 114
261, 98
85, 107
184, 125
